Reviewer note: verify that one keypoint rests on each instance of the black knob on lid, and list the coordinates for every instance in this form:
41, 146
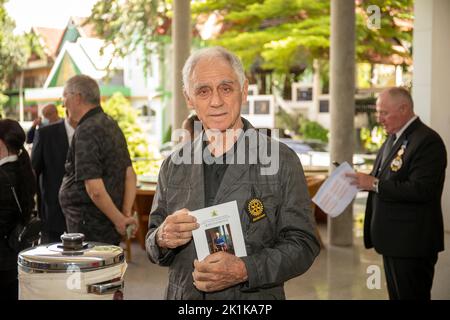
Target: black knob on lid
72, 241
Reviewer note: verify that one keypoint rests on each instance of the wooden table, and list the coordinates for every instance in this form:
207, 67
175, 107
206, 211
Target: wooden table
314, 182
145, 193
142, 205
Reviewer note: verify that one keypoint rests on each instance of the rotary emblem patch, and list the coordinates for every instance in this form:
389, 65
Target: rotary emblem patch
255, 209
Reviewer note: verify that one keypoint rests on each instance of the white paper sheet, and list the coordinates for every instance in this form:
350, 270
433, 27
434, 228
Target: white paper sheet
220, 230
336, 192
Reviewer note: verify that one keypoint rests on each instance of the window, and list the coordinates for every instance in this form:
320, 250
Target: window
262, 107
304, 94
324, 106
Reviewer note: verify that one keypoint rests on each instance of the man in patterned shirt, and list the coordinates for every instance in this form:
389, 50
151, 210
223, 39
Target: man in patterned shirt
99, 184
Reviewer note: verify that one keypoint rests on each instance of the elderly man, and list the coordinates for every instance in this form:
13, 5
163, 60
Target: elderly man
99, 185
279, 238
48, 157
403, 219
49, 115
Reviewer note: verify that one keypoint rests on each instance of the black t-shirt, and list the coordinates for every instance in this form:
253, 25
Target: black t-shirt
214, 171
213, 175
98, 150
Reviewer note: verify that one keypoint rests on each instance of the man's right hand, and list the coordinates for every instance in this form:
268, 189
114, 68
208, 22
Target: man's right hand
36, 122
176, 230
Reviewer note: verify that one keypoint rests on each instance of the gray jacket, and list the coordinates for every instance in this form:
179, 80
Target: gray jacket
279, 247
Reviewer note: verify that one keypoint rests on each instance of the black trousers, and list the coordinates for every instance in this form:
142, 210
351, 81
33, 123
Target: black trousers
409, 278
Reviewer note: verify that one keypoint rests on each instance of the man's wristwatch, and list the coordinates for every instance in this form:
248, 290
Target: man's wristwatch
375, 185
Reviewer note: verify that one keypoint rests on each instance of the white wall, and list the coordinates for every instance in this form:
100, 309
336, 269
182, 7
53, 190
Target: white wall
134, 77
431, 75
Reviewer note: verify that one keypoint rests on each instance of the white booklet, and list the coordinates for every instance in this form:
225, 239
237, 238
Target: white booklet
220, 230
336, 193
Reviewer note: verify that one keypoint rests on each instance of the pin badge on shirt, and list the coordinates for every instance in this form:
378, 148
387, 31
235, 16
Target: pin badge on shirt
255, 209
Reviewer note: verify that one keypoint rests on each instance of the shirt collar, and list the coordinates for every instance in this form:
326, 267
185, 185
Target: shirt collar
400, 132
8, 159
69, 130
90, 113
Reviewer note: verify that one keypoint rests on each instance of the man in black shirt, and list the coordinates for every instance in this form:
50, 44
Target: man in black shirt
99, 185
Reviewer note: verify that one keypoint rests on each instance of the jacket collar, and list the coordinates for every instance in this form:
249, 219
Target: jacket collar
404, 136
90, 113
7, 159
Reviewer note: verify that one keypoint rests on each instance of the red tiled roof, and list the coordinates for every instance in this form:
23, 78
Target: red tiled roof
87, 30
51, 38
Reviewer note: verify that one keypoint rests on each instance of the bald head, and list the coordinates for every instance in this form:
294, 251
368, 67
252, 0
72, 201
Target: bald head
51, 113
395, 108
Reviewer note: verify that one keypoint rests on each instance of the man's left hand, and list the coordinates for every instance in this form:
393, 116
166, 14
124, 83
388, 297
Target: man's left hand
361, 180
218, 271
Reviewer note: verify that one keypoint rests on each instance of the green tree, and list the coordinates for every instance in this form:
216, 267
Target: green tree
313, 130
120, 109
297, 126
131, 25
3, 100
277, 35
140, 26
285, 36
372, 139
14, 51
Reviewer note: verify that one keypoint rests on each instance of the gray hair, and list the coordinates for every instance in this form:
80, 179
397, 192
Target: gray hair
400, 93
86, 87
210, 53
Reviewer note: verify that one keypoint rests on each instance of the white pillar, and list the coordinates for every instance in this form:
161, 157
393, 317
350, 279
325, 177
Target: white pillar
317, 91
181, 39
431, 75
342, 105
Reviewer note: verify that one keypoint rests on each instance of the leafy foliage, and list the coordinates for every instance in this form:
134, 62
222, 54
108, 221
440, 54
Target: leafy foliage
277, 37
3, 100
372, 139
295, 124
313, 130
120, 109
281, 33
132, 24
288, 121
14, 51
285, 34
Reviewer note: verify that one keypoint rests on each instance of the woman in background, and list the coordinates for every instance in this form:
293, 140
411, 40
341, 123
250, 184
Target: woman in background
16, 176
